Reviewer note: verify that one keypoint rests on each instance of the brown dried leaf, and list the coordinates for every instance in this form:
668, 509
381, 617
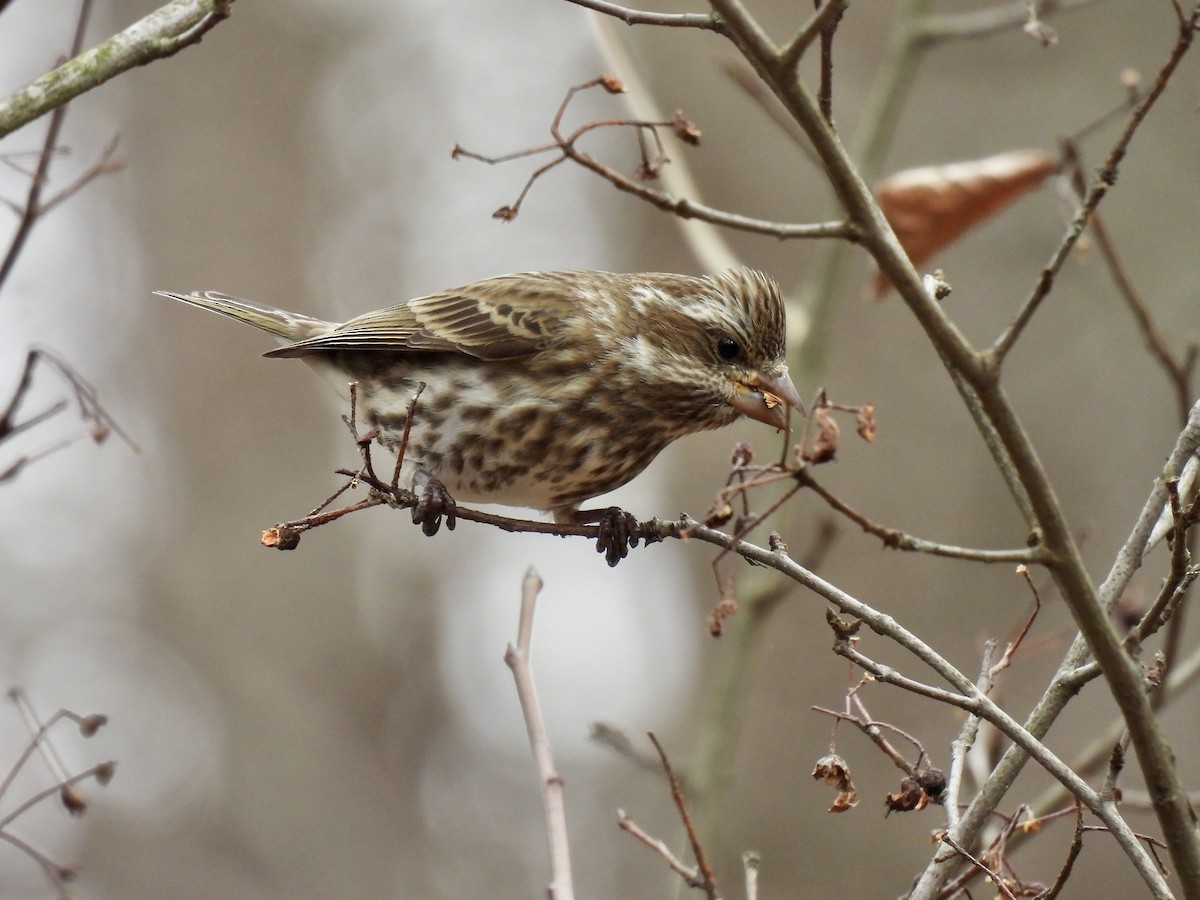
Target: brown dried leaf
834, 771
933, 206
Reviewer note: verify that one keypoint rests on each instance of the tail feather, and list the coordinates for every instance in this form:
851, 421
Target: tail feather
287, 325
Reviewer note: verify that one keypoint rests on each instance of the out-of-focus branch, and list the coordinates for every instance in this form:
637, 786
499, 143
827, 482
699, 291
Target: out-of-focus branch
163, 33
33, 205
516, 657
630, 16
99, 424
981, 23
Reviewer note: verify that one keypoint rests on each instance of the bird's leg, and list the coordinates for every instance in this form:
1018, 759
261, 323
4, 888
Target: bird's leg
433, 502
617, 533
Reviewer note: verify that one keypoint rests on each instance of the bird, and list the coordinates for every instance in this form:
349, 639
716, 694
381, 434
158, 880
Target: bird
544, 390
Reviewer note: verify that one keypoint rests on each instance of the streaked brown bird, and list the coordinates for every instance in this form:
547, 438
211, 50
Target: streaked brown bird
545, 389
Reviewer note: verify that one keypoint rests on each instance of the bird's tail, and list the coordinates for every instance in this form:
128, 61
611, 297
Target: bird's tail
287, 325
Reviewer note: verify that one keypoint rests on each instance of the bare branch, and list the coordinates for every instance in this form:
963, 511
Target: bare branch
708, 881
516, 657
827, 15
1105, 178
899, 540
936, 29
641, 17
566, 146
163, 33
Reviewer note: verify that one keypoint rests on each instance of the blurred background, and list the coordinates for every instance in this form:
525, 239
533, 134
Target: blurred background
337, 721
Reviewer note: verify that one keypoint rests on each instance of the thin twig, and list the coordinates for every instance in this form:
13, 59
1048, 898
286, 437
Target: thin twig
996, 878
898, 540
708, 880
33, 206
565, 146
691, 877
1105, 178
944, 27
826, 15
516, 657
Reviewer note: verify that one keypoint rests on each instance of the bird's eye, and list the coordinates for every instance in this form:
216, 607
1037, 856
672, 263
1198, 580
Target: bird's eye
728, 348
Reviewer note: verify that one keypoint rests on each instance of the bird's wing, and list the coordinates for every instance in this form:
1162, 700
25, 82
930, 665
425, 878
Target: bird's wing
506, 317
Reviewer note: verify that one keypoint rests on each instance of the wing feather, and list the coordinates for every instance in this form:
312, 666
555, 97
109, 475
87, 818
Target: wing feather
502, 318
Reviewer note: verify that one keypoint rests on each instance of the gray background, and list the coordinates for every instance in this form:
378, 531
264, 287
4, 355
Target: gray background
337, 721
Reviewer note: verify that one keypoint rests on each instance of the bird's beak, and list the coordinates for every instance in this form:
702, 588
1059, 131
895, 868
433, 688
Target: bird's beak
766, 398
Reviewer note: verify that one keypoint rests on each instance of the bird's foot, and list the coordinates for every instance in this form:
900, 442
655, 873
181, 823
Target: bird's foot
434, 503
618, 532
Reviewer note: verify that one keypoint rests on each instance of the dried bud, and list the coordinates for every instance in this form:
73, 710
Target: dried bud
89, 725
1041, 32
685, 129
909, 798
843, 629
743, 454
505, 213
835, 772
825, 444
866, 422
105, 772
932, 782
281, 537
612, 84
73, 799
648, 171
1129, 610
721, 612
1156, 671
719, 516
936, 285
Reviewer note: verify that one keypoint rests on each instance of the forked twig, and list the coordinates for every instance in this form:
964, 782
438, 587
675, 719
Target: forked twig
565, 146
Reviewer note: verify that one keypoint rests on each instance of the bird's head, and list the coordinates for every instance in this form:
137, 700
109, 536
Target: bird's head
713, 348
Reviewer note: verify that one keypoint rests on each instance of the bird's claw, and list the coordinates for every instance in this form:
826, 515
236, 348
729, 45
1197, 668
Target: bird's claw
618, 531
435, 501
